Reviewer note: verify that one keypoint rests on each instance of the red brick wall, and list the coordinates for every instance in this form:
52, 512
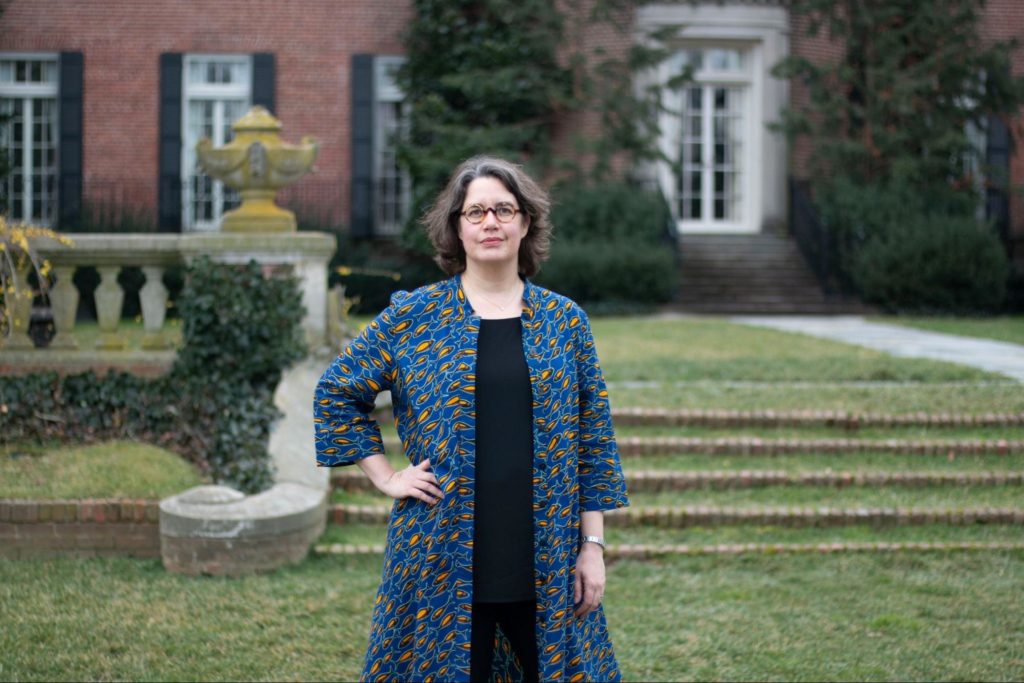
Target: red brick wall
122, 40
596, 42
1004, 20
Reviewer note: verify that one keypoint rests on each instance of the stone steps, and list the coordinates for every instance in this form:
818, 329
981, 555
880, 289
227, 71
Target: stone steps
762, 273
645, 551
630, 446
687, 516
654, 481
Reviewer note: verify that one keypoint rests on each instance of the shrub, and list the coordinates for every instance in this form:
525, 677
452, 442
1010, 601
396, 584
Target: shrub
611, 248
933, 263
610, 211
613, 275
238, 325
214, 408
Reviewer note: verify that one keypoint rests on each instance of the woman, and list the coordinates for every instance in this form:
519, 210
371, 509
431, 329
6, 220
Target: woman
494, 560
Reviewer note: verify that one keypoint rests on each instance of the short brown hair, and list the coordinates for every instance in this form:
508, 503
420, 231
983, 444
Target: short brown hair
442, 219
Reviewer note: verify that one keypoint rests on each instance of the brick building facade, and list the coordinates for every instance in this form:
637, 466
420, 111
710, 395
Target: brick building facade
118, 92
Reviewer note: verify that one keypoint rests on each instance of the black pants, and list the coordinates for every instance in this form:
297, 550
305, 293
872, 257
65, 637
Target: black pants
517, 621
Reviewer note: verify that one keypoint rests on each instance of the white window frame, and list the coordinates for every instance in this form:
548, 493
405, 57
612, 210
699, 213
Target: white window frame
708, 79
386, 93
218, 93
26, 93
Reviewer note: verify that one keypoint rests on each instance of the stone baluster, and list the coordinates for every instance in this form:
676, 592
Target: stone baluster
64, 302
153, 297
19, 307
109, 303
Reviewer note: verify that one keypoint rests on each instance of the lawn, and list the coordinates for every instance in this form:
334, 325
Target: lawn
105, 470
673, 349
1000, 328
853, 616
925, 616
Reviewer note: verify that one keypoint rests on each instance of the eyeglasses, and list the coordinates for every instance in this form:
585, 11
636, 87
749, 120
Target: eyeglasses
503, 212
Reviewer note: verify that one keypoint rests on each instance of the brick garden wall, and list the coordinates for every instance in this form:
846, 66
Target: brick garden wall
83, 528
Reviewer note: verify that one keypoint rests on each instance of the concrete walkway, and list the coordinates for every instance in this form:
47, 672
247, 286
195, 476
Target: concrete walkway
291, 437
994, 356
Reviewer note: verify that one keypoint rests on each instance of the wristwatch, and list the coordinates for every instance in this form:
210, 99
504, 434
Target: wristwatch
593, 539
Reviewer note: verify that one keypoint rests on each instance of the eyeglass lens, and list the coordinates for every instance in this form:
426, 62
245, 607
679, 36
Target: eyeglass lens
503, 212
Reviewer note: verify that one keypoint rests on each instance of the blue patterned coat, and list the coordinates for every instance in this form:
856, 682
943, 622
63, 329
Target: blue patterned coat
423, 348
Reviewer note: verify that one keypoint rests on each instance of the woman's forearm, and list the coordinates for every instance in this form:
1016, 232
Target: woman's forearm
592, 523
377, 468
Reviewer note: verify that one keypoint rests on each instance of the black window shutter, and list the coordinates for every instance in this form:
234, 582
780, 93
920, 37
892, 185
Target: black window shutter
169, 184
361, 216
69, 192
263, 80
997, 170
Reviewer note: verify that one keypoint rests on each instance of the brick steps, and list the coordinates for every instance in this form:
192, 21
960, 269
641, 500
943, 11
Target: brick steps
672, 445
681, 517
643, 551
660, 417
653, 481
836, 419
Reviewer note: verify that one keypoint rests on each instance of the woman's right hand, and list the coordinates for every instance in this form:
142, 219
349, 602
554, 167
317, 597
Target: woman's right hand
416, 481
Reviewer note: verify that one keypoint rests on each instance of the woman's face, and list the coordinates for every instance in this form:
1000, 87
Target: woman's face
491, 242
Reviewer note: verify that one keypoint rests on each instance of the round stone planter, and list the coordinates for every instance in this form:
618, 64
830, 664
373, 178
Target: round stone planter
219, 531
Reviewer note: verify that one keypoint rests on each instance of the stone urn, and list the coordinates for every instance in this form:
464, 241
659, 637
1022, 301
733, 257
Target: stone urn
257, 163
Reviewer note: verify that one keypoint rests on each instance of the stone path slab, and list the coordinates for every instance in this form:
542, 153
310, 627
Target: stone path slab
994, 356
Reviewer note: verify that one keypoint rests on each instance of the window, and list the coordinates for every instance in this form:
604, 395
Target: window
392, 197
216, 93
28, 135
710, 180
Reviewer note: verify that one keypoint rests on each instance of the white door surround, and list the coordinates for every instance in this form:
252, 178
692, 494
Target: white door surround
728, 171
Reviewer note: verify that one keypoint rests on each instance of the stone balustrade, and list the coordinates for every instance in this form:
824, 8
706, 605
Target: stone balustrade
306, 253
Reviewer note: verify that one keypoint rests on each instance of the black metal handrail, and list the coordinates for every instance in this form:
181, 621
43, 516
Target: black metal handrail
819, 246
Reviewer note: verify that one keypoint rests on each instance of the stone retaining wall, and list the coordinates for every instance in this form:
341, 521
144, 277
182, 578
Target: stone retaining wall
79, 528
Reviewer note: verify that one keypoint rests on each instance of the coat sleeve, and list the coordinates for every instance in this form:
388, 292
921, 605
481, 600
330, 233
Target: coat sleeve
344, 398
602, 485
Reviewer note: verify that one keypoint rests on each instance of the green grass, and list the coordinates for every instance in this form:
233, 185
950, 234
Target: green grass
881, 398
1000, 328
808, 462
374, 534
956, 497
914, 616
705, 348
867, 434
107, 470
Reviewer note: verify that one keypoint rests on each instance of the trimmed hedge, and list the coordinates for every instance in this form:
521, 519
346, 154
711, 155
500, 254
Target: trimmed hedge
912, 249
610, 276
933, 263
215, 407
611, 249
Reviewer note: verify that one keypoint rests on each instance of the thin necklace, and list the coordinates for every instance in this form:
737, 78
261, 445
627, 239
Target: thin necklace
500, 307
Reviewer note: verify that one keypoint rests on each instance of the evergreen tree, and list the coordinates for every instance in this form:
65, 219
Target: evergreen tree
481, 77
912, 78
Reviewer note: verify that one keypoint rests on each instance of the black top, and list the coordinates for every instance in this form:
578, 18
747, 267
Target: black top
503, 525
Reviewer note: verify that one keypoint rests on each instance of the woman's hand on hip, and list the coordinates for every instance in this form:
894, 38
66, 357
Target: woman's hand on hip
589, 585
415, 481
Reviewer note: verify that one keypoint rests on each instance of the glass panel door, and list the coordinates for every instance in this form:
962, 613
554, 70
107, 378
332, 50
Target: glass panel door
710, 187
